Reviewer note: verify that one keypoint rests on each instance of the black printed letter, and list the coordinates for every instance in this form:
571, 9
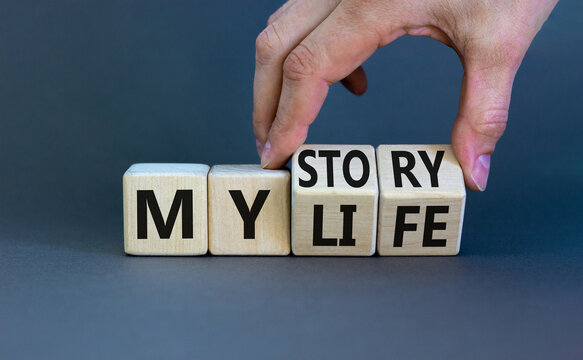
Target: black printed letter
146, 199
329, 155
399, 170
249, 216
317, 234
431, 225
307, 168
347, 239
365, 168
432, 168
401, 226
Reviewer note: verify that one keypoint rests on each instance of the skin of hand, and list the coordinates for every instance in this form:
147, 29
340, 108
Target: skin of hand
310, 44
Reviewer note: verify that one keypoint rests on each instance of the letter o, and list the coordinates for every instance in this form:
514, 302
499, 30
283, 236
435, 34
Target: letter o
365, 168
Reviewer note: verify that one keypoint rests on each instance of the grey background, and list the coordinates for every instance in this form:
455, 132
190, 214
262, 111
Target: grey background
89, 87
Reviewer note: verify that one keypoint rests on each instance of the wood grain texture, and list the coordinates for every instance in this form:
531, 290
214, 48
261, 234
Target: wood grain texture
446, 190
271, 228
330, 197
165, 180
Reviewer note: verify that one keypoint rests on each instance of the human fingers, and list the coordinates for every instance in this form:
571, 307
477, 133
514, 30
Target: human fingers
273, 45
481, 120
333, 51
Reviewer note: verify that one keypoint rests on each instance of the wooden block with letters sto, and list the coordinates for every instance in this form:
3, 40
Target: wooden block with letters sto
249, 210
334, 200
165, 209
422, 199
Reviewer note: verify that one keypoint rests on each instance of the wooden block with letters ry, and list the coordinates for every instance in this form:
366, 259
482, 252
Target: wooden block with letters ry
249, 210
334, 200
165, 209
422, 199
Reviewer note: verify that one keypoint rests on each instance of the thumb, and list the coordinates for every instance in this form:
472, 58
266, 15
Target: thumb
481, 120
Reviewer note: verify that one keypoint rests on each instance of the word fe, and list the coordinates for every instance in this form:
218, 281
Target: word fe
344, 200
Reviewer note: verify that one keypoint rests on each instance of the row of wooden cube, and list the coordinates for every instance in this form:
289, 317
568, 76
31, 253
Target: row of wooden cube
406, 200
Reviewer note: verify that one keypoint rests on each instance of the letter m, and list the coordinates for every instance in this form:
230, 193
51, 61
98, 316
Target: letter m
147, 199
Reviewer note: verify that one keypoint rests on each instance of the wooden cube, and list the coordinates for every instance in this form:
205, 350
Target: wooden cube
334, 200
249, 210
422, 199
165, 209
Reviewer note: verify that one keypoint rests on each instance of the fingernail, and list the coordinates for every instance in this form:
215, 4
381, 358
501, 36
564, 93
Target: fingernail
259, 147
480, 171
266, 154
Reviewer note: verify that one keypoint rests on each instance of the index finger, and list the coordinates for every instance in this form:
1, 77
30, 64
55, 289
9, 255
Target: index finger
330, 53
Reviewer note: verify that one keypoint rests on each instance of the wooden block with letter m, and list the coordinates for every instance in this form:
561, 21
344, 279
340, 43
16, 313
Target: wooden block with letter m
165, 209
334, 200
422, 199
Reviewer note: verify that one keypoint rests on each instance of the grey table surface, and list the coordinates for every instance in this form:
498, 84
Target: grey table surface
89, 87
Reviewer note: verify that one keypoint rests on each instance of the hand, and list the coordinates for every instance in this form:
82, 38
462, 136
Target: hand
310, 44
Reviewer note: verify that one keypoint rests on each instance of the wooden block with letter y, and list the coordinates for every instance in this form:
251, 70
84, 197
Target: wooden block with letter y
249, 210
334, 200
165, 209
422, 199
